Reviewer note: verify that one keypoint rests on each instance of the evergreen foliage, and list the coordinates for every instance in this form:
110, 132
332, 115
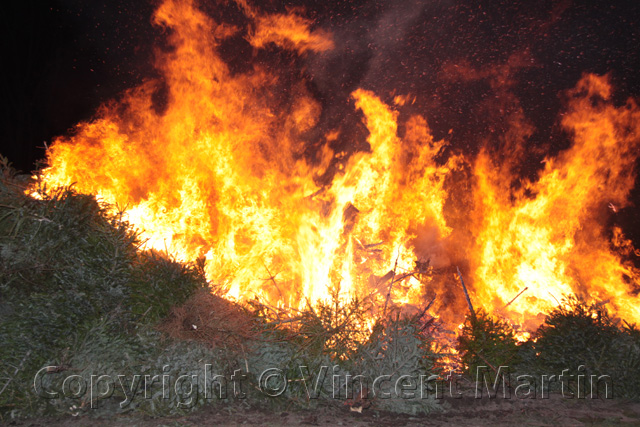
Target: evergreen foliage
578, 337
73, 282
486, 340
579, 333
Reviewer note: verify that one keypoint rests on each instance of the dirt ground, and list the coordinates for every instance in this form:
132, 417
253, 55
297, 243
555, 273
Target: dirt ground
468, 411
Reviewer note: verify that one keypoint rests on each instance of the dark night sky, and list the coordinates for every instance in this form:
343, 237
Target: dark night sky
62, 59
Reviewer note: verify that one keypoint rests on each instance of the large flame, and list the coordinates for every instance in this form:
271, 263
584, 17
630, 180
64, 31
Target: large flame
208, 163
549, 237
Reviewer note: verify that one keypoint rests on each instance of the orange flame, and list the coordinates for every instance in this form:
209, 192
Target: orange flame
219, 171
549, 236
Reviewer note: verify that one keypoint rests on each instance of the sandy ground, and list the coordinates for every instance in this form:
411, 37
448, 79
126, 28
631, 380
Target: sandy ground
555, 411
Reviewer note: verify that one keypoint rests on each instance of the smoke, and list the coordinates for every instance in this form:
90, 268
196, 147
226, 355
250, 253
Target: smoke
429, 245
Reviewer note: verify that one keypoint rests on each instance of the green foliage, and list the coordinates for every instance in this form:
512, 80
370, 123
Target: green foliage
398, 348
332, 343
67, 266
578, 333
159, 283
487, 341
577, 336
334, 328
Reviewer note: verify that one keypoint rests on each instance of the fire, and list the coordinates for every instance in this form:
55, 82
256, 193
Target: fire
549, 235
213, 164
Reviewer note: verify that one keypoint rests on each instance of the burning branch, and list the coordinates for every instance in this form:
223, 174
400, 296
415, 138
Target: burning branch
515, 298
272, 277
430, 321
466, 294
386, 302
